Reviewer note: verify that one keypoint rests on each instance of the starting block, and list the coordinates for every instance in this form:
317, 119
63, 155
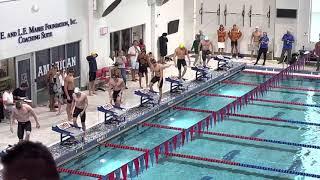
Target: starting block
67, 131
176, 84
146, 96
202, 73
223, 62
112, 113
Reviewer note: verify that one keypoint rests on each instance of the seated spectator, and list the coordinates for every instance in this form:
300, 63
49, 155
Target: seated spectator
20, 92
28, 160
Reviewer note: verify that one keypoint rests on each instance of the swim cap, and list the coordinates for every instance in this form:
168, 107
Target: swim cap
181, 46
94, 54
76, 90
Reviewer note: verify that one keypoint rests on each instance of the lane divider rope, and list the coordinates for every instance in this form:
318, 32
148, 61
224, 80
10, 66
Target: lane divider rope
261, 100
269, 73
248, 116
237, 136
80, 173
232, 163
124, 147
276, 87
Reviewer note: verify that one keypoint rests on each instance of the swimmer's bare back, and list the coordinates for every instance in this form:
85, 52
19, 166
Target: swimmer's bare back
80, 102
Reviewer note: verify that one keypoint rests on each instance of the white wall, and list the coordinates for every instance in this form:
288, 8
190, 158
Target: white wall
172, 10
128, 14
278, 26
211, 24
18, 14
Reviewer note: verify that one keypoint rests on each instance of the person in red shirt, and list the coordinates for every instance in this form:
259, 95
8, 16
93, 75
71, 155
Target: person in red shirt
317, 53
141, 45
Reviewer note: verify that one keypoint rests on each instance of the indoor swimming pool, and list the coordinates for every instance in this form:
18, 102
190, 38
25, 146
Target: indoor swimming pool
272, 132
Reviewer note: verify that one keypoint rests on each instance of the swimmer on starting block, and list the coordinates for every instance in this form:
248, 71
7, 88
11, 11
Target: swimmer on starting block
158, 76
180, 59
116, 87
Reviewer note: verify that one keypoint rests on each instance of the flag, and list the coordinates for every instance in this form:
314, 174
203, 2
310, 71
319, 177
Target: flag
157, 152
166, 148
124, 171
136, 165
175, 139
111, 176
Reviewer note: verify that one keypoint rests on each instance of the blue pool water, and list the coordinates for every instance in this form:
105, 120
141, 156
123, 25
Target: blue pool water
102, 160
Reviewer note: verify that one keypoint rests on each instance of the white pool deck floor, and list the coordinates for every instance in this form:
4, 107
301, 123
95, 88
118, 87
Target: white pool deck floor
47, 119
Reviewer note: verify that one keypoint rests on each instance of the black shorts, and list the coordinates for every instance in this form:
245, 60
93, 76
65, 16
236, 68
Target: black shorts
63, 93
143, 69
115, 95
181, 62
77, 112
70, 93
23, 126
234, 43
92, 76
157, 79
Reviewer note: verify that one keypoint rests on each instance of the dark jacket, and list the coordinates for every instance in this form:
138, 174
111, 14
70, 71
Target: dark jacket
163, 47
92, 64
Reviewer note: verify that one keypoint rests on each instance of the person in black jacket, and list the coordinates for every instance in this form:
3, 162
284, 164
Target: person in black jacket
163, 47
92, 72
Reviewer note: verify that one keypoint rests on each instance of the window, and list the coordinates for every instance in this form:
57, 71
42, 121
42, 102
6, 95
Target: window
315, 19
173, 27
3, 68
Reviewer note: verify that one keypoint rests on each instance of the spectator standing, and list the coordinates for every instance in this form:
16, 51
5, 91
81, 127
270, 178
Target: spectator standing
163, 47
50, 76
264, 43
7, 98
20, 92
92, 72
58, 91
142, 46
122, 61
288, 41
133, 53
195, 48
234, 34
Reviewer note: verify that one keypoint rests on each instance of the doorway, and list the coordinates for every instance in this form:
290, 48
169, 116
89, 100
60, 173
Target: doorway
24, 73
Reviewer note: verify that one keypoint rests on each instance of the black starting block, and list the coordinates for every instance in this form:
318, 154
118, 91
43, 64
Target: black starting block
146, 97
223, 63
112, 114
67, 131
176, 84
202, 73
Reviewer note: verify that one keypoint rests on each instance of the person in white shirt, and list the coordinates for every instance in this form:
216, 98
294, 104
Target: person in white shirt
133, 53
7, 98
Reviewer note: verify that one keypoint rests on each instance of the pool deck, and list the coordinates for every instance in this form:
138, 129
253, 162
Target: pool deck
47, 119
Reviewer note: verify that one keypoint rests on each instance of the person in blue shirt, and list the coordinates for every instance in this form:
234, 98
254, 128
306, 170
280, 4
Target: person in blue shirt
288, 40
264, 44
